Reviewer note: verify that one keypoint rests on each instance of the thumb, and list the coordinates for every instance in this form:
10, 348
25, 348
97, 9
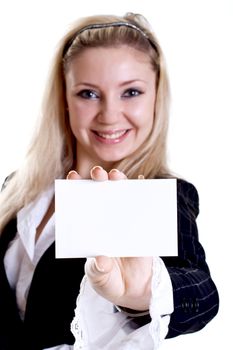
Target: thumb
97, 267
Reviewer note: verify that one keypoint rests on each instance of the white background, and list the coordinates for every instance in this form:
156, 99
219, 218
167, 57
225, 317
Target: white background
196, 36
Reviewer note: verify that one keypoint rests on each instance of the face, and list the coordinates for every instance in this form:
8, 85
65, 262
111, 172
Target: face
111, 98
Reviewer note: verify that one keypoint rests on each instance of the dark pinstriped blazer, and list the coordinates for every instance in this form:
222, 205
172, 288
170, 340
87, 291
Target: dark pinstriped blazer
56, 282
196, 298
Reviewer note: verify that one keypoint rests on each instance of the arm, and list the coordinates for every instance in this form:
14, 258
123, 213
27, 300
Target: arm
126, 282
195, 295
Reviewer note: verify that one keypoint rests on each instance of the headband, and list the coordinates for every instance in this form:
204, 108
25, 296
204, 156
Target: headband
107, 25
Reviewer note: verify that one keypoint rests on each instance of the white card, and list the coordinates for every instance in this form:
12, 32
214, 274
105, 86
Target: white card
115, 218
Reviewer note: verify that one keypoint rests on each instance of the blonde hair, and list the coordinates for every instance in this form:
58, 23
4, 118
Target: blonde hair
52, 152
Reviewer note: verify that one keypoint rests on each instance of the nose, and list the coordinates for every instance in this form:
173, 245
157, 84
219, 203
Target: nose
110, 110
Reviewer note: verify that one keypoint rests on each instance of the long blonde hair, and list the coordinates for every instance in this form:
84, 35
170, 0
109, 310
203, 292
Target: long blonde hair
52, 152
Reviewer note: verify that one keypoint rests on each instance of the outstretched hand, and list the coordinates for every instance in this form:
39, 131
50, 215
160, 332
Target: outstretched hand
123, 281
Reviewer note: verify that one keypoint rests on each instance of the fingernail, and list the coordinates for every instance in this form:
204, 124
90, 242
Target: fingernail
70, 173
96, 167
114, 170
141, 177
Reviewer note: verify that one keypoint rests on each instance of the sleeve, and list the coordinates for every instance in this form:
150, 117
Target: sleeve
161, 304
98, 324
195, 295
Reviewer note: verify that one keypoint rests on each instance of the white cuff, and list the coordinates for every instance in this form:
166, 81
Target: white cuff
161, 305
98, 326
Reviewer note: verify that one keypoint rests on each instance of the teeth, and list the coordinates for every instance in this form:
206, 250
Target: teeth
116, 135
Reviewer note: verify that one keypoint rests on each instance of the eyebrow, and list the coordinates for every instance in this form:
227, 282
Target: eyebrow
122, 84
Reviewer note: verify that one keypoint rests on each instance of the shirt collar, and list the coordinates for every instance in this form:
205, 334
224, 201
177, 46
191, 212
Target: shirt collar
29, 217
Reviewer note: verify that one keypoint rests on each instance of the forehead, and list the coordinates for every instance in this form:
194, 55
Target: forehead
120, 60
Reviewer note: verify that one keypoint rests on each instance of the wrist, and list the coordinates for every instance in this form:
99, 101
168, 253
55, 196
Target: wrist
132, 312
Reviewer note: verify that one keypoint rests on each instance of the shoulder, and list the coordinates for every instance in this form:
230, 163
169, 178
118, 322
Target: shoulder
187, 197
187, 189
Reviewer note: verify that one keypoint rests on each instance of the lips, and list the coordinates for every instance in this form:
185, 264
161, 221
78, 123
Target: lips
110, 136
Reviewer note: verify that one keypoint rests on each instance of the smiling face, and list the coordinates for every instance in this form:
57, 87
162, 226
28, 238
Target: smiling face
111, 99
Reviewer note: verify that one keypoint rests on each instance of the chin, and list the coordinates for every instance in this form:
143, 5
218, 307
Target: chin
113, 158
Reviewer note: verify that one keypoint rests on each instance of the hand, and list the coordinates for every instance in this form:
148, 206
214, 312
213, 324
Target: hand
123, 281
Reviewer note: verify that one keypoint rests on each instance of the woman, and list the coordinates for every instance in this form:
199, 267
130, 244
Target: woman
104, 117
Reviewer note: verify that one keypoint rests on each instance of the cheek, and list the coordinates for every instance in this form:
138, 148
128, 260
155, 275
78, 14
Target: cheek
78, 118
143, 117
77, 125
74, 122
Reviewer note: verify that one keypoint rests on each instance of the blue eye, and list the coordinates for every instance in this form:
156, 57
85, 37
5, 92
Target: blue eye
88, 94
132, 93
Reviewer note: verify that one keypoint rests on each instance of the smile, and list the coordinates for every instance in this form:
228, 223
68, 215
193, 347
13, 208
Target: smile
114, 136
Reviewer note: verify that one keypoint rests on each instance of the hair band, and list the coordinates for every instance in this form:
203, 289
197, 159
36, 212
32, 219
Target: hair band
107, 25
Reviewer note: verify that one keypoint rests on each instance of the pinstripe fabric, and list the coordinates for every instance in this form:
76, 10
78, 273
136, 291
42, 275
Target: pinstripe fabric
196, 298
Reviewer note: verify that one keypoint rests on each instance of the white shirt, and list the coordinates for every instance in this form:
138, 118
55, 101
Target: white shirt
21, 259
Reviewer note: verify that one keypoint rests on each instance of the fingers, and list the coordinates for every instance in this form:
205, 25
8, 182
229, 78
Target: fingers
73, 175
99, 174
115, 174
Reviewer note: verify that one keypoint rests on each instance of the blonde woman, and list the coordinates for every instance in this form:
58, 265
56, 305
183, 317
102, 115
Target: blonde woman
104, 117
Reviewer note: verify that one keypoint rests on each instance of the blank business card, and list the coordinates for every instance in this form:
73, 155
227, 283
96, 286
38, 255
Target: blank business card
123, 218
